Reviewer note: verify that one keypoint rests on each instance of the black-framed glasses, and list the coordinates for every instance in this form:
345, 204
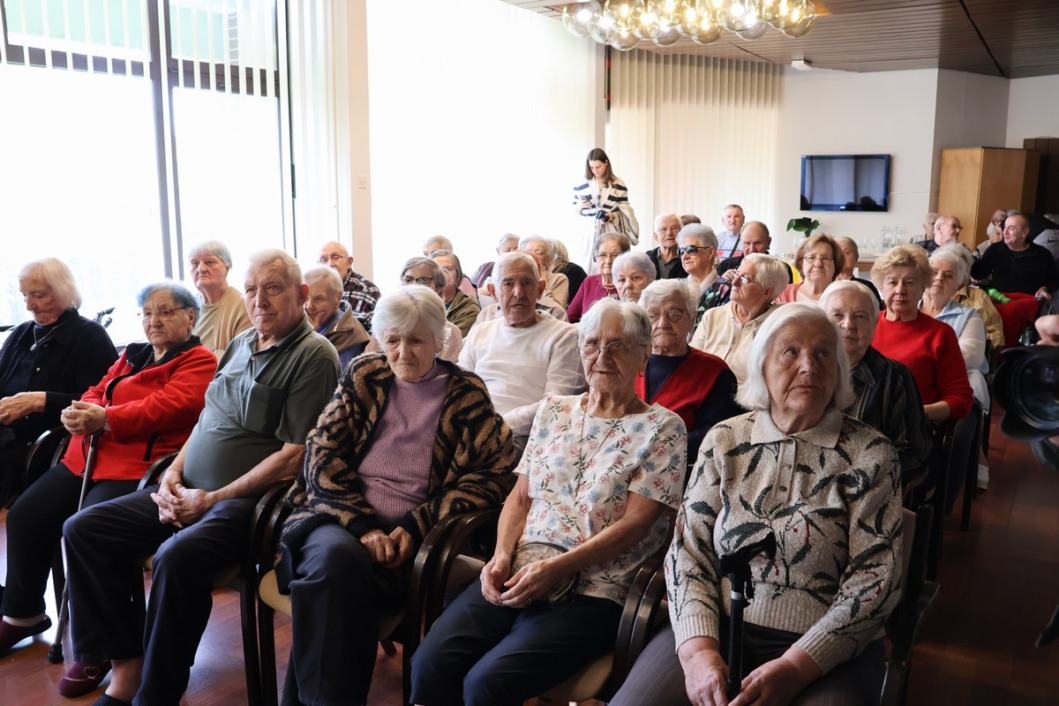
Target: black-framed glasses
161, 314
591, 350
690, 249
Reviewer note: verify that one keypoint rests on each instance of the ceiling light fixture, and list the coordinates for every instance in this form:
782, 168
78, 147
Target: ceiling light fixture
624, 24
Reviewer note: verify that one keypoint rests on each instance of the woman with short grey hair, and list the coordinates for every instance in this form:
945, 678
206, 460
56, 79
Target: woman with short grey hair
633, 271
408, 440
697, 386
697, 247
223, 314
591, 504
609, 246
424, 272
827, 487
727, 331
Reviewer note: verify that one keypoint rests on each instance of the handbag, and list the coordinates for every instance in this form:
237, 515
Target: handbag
529, 552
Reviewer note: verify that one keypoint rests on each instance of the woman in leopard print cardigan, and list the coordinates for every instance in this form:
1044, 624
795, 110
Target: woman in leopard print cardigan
407, 440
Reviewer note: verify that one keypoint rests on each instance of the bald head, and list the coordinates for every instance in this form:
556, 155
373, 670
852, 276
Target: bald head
755, 238
334, 255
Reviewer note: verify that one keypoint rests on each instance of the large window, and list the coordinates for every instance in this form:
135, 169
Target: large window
129, 131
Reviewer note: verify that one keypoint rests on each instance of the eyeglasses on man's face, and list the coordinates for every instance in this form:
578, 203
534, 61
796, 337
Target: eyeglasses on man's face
333, 257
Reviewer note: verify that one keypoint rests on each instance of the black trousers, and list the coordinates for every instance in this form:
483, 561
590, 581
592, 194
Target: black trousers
106, 545
503, 656
337, 597
34, 528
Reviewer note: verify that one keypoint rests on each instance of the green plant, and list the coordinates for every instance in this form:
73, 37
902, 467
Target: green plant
804, 225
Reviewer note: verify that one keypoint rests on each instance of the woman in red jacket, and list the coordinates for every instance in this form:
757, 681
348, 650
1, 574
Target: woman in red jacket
143, 408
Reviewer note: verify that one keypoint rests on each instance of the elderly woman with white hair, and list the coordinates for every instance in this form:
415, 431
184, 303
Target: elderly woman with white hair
696, 385
223, 314
633, 271
426, 273
331, 316
951, 265
45, 364
726, 331
885, 393
596, 485
407, 439
829, 488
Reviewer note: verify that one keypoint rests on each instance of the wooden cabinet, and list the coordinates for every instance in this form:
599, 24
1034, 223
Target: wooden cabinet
975, 181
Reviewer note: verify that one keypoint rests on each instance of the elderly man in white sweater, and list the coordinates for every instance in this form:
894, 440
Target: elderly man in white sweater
524, 354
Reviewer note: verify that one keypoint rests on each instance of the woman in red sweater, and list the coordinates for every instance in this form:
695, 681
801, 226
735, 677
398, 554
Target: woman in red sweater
928, 347
143, 408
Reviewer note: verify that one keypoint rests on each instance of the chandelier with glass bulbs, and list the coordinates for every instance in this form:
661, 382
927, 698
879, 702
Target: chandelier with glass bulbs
624, 24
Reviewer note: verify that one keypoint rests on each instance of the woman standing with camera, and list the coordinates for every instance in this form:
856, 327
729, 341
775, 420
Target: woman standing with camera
604, 198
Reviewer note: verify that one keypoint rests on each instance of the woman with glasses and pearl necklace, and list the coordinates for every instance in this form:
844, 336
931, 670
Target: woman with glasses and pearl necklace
596, 487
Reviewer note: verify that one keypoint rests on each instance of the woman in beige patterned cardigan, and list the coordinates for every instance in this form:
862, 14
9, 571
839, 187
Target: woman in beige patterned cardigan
828, 486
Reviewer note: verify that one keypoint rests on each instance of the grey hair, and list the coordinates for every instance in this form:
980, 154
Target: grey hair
620, 238
435, 269
754, 394
508, 259
440, 242
635, 260
955, 254
852, 246
847, 285
562, 256
549, 248
215, 248
403, 309
662, 289
505, 238
288, 267
327, 275
636, 325
703, 232
181, 295
770, 272
455, 260
57, 276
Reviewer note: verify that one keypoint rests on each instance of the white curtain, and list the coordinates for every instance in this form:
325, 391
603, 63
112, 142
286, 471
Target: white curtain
481, 115
693, 134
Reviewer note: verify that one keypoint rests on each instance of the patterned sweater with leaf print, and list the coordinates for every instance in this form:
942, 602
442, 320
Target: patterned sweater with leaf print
832, 495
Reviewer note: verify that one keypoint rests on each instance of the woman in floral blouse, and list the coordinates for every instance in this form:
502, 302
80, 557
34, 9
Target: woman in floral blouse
828, 486
596, 485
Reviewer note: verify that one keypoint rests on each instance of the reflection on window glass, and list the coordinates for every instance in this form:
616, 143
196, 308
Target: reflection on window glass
102, 27
79, 181
226, 31
229, 173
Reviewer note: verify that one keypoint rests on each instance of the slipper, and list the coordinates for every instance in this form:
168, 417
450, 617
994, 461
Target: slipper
11, 635
108, 700
83, 678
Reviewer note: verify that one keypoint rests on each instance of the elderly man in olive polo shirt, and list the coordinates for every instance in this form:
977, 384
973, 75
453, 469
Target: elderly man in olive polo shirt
270, 387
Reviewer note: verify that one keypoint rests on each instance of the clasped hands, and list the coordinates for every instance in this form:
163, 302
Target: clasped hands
177, 504
389, 550
83, 417
529, 583
774, 683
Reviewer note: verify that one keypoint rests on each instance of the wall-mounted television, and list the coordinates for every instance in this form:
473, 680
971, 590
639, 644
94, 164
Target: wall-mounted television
846, 182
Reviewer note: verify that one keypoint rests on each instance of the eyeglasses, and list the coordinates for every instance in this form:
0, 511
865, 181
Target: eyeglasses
673, 315
690, 249
743, 279
334, 257
591, 350
425, 281
818, 258
607, 256
160, 315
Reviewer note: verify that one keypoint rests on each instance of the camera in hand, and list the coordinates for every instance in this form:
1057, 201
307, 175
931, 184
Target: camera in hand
1027, 386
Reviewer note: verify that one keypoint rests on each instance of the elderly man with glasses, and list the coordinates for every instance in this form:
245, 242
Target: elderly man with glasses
360, 292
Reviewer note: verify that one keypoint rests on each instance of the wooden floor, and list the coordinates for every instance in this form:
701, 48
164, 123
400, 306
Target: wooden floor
999, 587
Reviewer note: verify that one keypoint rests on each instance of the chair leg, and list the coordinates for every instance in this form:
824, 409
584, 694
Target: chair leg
266, 640
251, 656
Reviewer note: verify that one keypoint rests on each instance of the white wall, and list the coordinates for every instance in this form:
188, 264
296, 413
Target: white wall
836, 112
1033, 109
972, 111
